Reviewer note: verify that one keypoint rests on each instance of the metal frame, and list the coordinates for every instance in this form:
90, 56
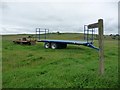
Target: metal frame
38, 32
87, 36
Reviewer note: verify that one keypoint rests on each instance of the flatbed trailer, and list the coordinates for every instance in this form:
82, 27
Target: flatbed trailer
54, 44
57, 44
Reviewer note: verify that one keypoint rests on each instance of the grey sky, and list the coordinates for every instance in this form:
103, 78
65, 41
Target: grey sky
69, 16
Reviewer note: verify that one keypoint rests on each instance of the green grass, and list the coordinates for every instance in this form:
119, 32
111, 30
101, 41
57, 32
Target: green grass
73, 67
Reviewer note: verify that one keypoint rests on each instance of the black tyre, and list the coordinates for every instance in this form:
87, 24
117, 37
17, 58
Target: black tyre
47, 45
54, 45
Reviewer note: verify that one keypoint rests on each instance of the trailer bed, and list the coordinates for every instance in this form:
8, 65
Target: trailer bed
77, 42
65, 42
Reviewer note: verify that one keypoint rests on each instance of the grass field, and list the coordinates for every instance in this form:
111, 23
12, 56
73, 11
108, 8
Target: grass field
73, 67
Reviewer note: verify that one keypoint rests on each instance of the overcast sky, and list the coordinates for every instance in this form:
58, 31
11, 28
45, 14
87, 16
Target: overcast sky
24, 16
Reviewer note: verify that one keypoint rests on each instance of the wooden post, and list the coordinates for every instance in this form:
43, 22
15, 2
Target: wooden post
101, 46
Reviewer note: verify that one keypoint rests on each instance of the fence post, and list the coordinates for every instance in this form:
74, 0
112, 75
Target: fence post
101, 46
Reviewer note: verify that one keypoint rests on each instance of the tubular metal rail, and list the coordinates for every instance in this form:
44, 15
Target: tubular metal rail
40, 31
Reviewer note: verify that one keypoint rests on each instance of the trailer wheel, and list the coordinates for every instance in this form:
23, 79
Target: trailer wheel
47, 45
54, 45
